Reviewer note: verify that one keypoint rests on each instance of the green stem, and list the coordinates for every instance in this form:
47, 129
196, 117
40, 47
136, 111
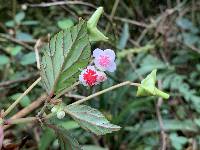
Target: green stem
21, 97
161, 93
127, 52
41, 112
104, 91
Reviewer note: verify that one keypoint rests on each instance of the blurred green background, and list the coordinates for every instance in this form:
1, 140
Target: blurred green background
162, 34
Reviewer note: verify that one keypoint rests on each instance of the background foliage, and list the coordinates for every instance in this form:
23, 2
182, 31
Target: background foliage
146, 35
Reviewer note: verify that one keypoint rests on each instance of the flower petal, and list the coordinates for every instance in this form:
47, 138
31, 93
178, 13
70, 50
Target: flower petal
91, 67
101, 76
112, 67
97, 52
81, 78
110, 53
88, 76
98, 65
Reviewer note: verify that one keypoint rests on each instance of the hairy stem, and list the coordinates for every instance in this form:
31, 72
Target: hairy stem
104, 91
20, 98
27, 120
48, 99
22, 120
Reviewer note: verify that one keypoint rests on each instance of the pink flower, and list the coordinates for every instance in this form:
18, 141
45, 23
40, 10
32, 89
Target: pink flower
104, 60
90, 76
101, 77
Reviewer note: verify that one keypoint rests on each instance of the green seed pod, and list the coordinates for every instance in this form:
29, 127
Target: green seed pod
94, 33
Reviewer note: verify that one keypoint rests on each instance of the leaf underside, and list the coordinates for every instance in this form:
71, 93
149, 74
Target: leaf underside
91, 119
66, 140
67, 52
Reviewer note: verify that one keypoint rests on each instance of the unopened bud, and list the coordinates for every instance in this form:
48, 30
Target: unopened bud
60, 114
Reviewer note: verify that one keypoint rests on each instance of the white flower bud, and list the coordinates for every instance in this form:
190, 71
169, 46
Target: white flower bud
24, 7
60, 114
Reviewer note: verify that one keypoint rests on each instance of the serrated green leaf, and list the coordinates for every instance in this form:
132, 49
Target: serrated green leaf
66, 124
69, 125
46, 138
148, 88
66, 140
67, 52
91, 119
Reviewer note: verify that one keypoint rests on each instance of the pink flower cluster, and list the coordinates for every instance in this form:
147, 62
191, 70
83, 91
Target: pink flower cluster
104, 60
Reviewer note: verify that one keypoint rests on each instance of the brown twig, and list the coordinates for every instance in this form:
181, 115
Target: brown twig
133, 22
14, 104
28, 109
10, 82
192, 47
162, 17
16, 41
160, 120
61, 3
68, 9
112, 14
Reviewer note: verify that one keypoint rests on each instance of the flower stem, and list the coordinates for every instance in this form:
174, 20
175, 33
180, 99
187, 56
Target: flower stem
104, 91
10, 108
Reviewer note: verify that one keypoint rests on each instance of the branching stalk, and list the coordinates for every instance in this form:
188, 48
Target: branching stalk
21, 97
27, 119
